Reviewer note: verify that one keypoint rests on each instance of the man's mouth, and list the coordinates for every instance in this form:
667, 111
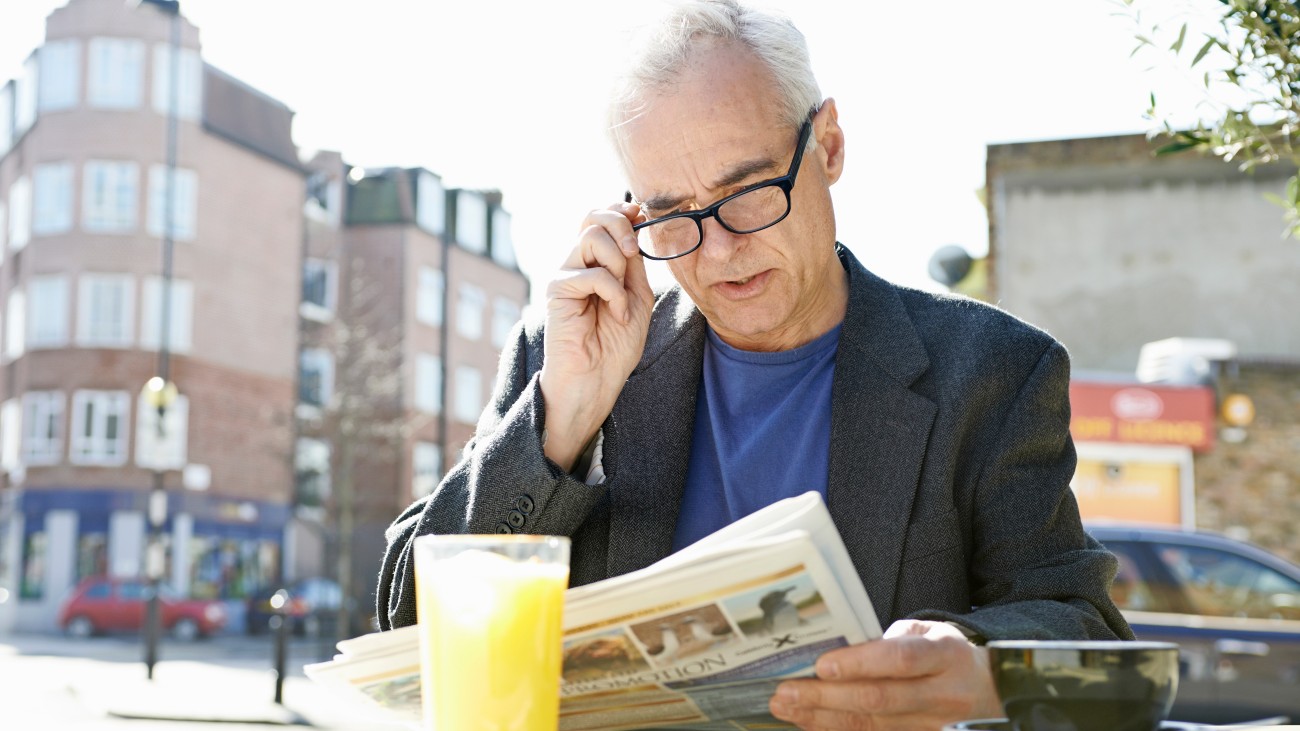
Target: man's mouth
741, 282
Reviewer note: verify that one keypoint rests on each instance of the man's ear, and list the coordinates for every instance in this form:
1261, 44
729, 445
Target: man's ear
830, 140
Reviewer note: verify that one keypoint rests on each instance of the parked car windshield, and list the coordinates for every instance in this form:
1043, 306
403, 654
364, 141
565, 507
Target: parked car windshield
1222, 585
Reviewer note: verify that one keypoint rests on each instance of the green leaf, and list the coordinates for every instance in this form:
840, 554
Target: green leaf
1293, 190
1177, 146
1178, 44
1204, 50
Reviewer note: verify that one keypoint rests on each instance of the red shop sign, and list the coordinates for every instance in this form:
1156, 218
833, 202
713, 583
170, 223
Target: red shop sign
1142, 414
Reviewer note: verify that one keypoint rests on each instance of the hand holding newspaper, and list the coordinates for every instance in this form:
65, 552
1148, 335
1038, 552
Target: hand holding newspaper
698, 640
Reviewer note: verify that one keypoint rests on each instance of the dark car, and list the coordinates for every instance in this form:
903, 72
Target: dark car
103, 604
312, 607
1233, 609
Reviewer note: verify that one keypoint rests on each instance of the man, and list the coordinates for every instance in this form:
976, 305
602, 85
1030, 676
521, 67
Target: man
936, 428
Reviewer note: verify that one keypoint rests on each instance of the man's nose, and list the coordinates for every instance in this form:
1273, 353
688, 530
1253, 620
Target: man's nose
719, 243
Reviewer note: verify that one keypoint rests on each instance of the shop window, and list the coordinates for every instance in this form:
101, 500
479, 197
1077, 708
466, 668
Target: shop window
34, 556
92, 555
229, 568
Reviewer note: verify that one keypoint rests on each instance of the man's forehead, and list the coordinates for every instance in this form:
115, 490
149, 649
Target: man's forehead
667, 167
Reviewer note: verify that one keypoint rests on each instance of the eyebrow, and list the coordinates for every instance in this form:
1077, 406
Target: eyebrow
737, 173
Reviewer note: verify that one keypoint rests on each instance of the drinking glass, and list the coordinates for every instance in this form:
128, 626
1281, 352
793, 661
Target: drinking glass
489, 609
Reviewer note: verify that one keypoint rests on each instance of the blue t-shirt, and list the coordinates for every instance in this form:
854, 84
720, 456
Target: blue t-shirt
762, 432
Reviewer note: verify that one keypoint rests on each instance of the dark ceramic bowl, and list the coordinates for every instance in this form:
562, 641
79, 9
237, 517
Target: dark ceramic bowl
1085, 685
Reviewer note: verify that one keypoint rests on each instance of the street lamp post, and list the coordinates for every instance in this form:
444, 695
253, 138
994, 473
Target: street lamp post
160, 392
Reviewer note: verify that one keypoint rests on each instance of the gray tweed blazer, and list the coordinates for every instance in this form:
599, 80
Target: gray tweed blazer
950, 462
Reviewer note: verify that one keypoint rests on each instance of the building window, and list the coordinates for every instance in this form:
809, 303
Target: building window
47, 319
469, 394
315, 377
42, 427
162, 446
33, 579
428, 383
26, 94
15, 324
190, 94
184, 202
469, 311
92, 555
6, 118
471, 221
428, 306
99, 426
426, 468
20, 213
180, 316
52, 198
104, 310
505, 314
430, 203
11, 435
319, 284
503, 247
312, 472
324, 199
108, 197
60, 75
116, 73
4, 221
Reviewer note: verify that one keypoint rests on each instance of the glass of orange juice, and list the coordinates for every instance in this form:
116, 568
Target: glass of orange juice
489, 609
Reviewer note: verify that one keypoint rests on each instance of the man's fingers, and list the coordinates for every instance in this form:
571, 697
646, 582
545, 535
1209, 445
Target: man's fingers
908, 656
596, 249
610, 225
569, 287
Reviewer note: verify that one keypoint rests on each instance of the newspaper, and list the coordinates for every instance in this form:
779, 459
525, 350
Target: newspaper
698, 640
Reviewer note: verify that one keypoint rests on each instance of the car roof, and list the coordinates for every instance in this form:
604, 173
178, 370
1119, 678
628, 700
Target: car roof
1190, 537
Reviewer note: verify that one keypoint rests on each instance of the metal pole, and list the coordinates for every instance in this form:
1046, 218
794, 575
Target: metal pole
280, 624
156, 559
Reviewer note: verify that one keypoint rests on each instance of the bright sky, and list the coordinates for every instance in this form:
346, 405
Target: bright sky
510, 95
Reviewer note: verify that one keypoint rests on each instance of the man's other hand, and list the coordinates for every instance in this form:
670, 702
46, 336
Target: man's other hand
921, 675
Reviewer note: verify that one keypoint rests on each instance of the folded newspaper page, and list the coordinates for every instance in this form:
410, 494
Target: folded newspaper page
699, 640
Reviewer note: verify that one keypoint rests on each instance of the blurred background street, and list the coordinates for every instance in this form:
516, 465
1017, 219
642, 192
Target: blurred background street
51, 682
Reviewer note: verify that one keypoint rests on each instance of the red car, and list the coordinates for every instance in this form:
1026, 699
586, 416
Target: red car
108, 604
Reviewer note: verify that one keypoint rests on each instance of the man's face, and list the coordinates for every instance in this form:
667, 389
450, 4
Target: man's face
712, 134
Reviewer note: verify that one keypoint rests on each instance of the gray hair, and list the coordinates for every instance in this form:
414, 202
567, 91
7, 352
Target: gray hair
669, 44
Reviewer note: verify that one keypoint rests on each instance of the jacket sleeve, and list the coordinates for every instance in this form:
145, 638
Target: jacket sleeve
1034, 572
503, 480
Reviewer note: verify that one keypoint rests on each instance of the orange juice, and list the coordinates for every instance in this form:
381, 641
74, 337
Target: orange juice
490, 641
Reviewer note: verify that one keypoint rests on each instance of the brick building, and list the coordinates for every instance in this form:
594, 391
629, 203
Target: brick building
286, 273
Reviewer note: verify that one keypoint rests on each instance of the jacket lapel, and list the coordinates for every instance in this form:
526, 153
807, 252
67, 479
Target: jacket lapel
879, 431
648, 437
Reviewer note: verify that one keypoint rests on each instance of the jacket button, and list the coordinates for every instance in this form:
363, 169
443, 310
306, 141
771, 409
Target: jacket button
525, 504
503, 528
515, 519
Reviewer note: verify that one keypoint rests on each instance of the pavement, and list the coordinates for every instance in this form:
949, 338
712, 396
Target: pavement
100, 684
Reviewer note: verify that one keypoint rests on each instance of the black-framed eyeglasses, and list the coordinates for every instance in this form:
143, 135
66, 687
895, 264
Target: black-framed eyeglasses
759, 206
